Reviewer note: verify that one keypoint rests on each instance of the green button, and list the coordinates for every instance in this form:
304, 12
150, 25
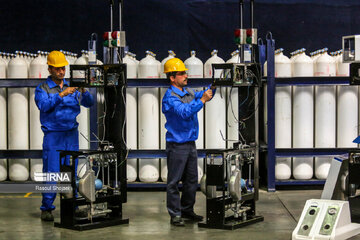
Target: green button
249, 40
106, 43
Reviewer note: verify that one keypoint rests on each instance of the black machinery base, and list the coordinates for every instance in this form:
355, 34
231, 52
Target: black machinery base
232, 223
97, 223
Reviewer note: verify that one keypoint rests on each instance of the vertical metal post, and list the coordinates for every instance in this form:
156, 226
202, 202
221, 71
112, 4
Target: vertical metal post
270, 48
241, 7
111, 15
241, 47
111, 54
120, 14
121, 49
251, 13
257, 143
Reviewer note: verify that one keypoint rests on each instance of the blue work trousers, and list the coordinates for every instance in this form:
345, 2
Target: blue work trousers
182, 166
54, 141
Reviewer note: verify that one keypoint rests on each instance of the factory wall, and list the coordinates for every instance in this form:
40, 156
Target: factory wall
159, 25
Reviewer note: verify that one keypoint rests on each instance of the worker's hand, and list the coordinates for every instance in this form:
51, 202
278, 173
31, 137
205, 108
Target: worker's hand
213, 87
81, 89
67, 91
206, 96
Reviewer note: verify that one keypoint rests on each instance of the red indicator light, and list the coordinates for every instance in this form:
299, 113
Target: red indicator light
249, 32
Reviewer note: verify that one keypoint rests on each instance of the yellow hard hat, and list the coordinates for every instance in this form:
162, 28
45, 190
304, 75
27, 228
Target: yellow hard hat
174, 65
56, 59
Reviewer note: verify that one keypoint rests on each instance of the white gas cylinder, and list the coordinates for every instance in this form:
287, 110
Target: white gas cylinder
282, 65
195, 66
3, 67
131, 132
282, 116
303, 129
325, 125
148, 67
325, 65
148, 131
196, 70
18, 123
303, 66
171, 55
303, 118
84, 127
84, 117
131, 118
233, 106
67, 67
38, 67
130, 66
215, 110
317, 54
163, 162
3, 133
325, 111
293, 57
133, 56
208, 65
83, 60
347, 116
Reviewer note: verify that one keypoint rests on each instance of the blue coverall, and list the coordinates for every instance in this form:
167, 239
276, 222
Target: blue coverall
180, 109
58, 122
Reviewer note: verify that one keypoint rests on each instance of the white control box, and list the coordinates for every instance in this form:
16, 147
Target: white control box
325, 219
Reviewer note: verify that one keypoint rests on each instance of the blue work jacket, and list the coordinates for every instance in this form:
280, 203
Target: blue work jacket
180, 109
57, 113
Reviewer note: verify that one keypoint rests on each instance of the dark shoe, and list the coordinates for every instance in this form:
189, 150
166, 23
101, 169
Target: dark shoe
177, 221
47, 216
81, 213
192, 216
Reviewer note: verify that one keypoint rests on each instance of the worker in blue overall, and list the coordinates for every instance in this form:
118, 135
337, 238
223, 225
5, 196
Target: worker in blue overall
59, 104
180, 106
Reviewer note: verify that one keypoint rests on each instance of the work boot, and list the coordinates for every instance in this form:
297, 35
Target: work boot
177, 221
47, 216
192, 216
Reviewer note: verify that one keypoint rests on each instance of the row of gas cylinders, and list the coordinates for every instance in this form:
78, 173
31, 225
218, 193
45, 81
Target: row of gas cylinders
20, 127
143, 114
324, 116
35, 65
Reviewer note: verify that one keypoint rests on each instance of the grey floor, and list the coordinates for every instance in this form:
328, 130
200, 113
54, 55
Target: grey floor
19, 219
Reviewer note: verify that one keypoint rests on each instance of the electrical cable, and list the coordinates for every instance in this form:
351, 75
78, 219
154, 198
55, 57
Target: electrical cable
256, 108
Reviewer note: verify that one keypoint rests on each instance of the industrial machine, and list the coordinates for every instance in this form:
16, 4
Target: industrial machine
228, 184
104, 206
337, 214
230, 180
100, 200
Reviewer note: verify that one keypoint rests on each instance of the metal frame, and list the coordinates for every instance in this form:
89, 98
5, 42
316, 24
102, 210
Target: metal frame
216, 206
273, 152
